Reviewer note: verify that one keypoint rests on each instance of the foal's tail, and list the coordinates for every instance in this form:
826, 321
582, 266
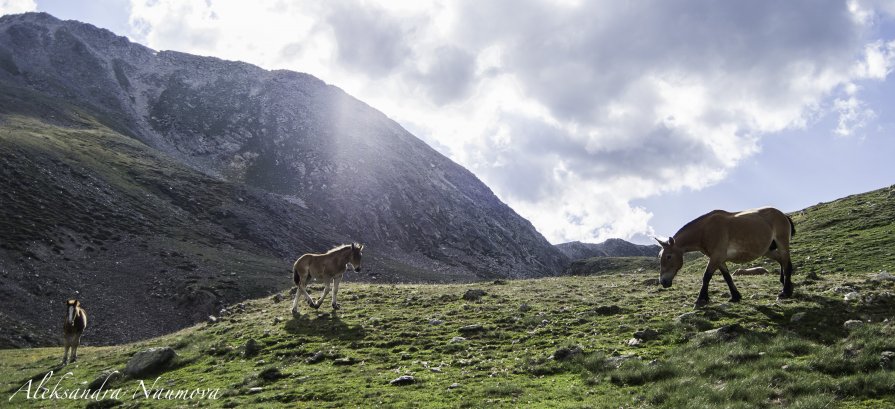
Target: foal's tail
296, 271
792, 227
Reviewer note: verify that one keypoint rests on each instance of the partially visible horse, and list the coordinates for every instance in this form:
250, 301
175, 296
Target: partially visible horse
75, 323
738, 237
329, 268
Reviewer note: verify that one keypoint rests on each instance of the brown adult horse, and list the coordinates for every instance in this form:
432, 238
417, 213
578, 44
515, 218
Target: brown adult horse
328, 267
75, 323
724, 236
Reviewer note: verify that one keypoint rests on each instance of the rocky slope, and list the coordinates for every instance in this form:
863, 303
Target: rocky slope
134, 178
576, 250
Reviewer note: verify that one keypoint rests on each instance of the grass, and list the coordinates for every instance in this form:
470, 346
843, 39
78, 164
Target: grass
385, 331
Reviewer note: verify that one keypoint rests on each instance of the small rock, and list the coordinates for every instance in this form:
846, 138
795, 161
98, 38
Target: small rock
499, 282
317, 357
797, 317
403, 380
455, 340
435, 369
277, 320
887, 359
607, 310
471, 329
434, 321
852, 324
474, 294
883, 276
616, 361
812, 276
454, 385
563, 354
271, 374
344, 361
524, 307
647, 334
725, 333
278, 297
251, 347
105, 380
212, 319
148, 361
634, 342
852, 296
256, 389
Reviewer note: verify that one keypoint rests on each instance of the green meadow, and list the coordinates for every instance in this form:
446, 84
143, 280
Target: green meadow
604, 340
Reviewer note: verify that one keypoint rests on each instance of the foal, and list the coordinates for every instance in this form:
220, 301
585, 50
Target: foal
75, 322
329, 268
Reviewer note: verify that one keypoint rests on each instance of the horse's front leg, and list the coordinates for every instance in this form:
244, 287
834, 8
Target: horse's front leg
326, 290
65, 353
734, 294
336, 280
74, 348
703, 297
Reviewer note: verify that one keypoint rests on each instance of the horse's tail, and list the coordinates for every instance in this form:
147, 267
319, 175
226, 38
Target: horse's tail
792, 227
296, 271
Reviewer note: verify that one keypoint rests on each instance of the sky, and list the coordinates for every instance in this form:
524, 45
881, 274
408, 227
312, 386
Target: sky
592, 119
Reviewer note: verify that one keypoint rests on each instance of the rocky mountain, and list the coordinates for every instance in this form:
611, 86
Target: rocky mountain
162, 185
576, 250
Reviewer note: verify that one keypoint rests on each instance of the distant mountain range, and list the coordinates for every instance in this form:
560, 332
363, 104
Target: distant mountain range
576, 250
160, 186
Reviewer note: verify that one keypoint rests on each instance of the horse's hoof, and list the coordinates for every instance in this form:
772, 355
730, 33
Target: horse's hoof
783, 295
295, 314
337, 306
735, 298
702, 302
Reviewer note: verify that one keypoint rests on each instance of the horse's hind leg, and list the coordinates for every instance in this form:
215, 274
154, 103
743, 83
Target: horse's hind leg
734, 294
786, 266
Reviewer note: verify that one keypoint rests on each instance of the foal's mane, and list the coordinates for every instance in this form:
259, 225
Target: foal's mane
339, 248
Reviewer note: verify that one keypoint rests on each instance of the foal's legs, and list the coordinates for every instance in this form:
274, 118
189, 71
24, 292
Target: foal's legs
76, 340
783, 258
301, 292
336, 280
734, 294
66, 341
326, 290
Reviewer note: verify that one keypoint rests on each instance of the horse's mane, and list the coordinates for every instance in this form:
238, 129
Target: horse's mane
699, 220
340, 247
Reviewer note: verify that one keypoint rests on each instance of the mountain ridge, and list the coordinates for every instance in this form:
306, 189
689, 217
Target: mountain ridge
196, 167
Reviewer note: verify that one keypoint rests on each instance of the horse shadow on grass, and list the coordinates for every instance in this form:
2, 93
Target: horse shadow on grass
327, 325
823, 319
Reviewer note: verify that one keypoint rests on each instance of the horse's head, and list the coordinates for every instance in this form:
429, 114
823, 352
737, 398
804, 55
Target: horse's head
671, 259
354, 257
72, 306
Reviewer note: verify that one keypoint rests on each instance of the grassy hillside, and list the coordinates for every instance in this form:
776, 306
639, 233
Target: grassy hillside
611, 265
558, 342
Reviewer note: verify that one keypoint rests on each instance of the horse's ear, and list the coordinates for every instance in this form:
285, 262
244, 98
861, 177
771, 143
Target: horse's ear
671, 241
661, 243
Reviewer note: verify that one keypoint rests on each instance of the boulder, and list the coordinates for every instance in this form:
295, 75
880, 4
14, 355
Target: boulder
474, 294
149, 361
403, 380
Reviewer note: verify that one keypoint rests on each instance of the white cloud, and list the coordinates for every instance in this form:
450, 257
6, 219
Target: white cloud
17, 6
568, 111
